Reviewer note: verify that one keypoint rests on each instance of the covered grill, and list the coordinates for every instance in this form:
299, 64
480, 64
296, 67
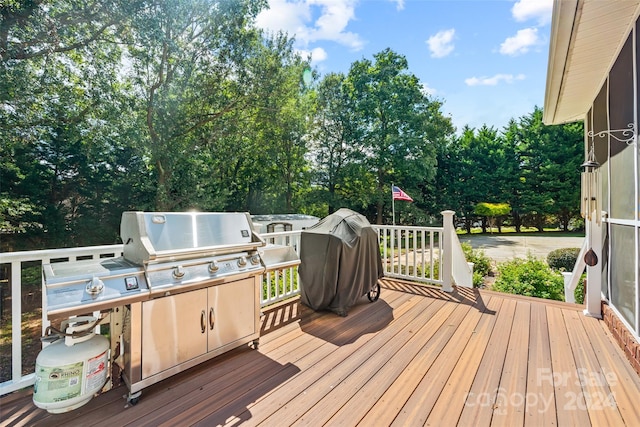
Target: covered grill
187, 288
339, 262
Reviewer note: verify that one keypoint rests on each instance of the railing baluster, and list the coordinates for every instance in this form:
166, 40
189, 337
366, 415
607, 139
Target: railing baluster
414, 235
16, 320
440, 243
422, 241
43, 294
392, 246
431, 257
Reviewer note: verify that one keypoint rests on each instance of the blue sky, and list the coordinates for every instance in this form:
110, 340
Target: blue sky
486, 60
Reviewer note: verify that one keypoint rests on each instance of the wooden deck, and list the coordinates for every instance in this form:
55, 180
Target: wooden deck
418, 356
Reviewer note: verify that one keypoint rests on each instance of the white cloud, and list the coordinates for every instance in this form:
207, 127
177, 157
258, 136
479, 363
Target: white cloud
521, 42
296, 18
284, 16
541, 10
427, 90
493, 81
318, 54
441, 44
399, 4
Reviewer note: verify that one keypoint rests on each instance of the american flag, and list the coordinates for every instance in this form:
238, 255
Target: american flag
398, 194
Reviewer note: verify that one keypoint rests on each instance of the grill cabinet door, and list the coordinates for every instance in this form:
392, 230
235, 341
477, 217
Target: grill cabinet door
172, 331
232, 307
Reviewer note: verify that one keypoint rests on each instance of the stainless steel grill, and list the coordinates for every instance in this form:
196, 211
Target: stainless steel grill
186, 289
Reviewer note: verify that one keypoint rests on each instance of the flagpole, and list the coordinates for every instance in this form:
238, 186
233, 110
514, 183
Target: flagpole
393, 205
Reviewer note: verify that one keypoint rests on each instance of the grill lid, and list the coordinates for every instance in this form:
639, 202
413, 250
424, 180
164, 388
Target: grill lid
169, 236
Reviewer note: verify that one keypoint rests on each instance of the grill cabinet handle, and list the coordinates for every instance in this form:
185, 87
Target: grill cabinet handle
203, 325
212, 319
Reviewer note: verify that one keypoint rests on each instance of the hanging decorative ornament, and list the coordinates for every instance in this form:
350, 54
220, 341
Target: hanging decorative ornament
590, 258
590, 207
590, 181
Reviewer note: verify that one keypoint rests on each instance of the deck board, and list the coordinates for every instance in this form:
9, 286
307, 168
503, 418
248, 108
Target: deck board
338, 367
540, 407
448, 407
418, 356
479, 405
623, 384
384, 410
349, 401
600, 405
458, 330
371, 393
509, 408
570, 403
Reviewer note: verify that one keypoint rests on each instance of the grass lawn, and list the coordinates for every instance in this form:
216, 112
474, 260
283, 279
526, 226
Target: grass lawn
525, 231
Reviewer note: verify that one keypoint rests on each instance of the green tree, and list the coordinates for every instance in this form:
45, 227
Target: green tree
63, 120
550, 157
282, 109
189, 63
493, 211
512, 190
31, 29
336, 144
474, 171
400, 124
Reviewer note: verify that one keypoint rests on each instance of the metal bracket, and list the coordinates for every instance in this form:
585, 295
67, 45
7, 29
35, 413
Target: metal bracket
627, 135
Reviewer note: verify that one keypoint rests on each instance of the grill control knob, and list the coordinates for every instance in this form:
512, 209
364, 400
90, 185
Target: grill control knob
213, 267
95, 286
178, 272
242, 262
255, 259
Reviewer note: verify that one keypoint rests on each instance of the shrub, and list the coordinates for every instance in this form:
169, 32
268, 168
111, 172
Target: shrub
481, 262
563, 259
531, 277
579, 292
478, 279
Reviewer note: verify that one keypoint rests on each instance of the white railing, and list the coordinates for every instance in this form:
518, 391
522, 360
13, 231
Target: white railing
411, 253
571, 278
281, 284
422, 254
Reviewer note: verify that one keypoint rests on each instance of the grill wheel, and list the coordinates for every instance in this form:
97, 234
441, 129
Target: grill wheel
374, 293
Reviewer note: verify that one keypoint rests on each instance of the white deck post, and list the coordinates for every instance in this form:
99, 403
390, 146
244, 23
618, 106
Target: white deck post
16, 320
592, 298
447, 250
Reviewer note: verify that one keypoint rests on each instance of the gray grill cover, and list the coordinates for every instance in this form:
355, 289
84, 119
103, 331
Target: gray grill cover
339, 261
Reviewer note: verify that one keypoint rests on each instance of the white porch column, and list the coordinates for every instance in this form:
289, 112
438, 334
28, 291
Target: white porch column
593, 292
447, 250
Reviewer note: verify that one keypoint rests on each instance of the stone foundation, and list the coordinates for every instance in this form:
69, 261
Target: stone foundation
622, 335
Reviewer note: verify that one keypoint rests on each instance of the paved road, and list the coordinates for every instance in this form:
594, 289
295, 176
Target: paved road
504, 247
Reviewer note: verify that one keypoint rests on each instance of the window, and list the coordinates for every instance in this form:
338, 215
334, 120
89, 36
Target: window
623, 271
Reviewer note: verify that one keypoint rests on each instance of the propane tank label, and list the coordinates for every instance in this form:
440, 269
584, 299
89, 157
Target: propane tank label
59, 383
96, 371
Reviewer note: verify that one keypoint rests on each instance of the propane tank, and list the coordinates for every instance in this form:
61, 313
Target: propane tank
71, 370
